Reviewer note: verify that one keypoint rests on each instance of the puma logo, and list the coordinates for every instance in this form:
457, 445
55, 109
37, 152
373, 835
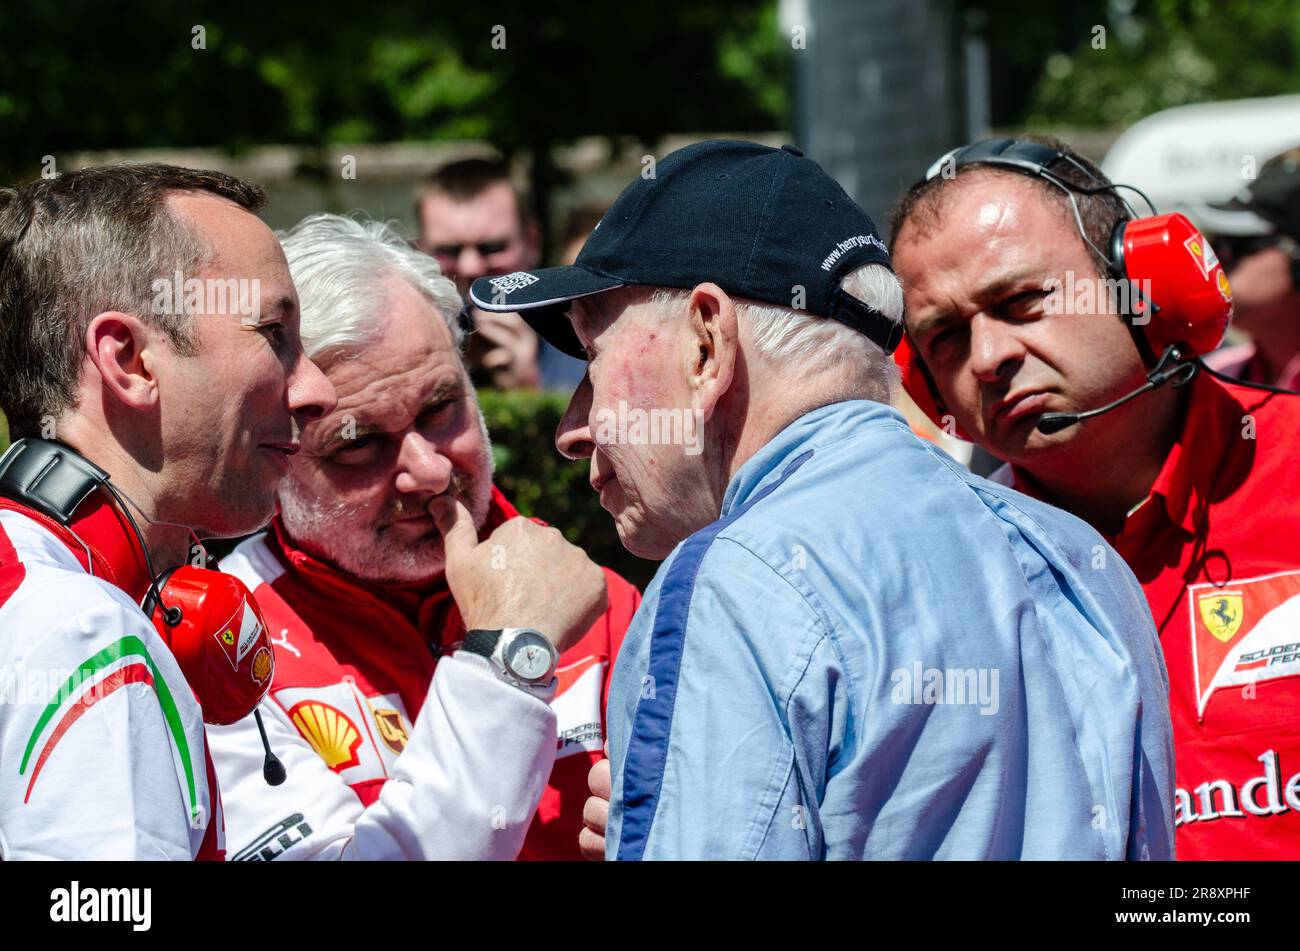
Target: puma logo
284, 642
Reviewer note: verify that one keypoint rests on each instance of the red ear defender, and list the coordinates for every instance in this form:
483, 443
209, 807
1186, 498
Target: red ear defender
219, 640
918, 385
1173, 266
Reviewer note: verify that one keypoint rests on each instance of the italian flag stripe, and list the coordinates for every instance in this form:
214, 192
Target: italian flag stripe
135, 673
127, 647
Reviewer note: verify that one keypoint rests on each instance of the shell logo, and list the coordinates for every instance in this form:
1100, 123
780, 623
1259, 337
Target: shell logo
329, 731
262, 666
1225, 288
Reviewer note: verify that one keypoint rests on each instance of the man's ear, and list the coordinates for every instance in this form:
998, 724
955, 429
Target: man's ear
715, 344
118, 345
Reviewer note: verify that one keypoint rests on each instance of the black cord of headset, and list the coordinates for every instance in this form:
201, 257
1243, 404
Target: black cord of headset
1266, 387
171, 615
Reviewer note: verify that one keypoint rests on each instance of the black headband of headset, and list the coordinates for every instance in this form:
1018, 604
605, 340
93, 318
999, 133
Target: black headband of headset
1031, 157
49, 477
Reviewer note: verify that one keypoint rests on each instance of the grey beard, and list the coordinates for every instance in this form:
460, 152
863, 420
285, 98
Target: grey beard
365, 551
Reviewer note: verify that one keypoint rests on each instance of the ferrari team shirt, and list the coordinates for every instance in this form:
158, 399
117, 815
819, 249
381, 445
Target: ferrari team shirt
103, 753
1216, 546
354, 683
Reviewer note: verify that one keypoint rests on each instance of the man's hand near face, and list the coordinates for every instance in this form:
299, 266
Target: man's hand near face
522, 575
505, 349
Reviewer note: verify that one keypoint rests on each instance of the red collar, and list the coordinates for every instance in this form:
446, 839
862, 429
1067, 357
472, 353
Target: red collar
115, 555
415, 600
1211, 424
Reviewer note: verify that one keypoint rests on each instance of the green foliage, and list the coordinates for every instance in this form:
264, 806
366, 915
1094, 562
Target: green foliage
4, 433
83, 74
1171, 53
542, 483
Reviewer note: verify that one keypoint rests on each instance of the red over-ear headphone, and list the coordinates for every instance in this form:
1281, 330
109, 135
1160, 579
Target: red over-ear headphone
207, 618
1182, 302
215, 630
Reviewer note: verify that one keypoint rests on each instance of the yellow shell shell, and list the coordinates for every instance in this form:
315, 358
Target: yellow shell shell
329, 731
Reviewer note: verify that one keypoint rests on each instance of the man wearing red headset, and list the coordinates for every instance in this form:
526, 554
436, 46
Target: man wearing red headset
1056, 328
137, 426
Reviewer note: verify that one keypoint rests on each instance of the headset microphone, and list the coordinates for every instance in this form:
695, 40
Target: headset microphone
272, 769
1172, 366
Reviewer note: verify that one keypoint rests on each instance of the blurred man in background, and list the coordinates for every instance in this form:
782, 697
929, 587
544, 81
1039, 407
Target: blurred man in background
1195, 485
357, 589
1257, 238
476, 223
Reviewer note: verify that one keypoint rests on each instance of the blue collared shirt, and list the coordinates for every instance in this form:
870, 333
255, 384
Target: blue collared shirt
874, 653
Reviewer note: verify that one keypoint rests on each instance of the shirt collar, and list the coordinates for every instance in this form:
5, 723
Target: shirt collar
1288, 377
823, 426
100, 527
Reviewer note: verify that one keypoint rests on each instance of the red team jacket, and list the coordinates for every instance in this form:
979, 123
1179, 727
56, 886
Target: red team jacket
329, 626
1216, 546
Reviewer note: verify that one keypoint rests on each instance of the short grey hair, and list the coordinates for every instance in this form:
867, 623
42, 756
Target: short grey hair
339, 265
808, 344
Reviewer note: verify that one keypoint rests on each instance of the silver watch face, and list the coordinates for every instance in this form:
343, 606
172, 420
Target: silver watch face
528, 655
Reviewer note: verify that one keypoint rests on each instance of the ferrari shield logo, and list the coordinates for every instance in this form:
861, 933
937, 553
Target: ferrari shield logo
1222, 614
1245, 632
1202, 254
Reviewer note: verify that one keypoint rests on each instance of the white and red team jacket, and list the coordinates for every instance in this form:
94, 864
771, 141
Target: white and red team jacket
377, 771
102, 748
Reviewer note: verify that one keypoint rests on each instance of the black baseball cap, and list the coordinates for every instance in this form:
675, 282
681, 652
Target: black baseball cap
757, 221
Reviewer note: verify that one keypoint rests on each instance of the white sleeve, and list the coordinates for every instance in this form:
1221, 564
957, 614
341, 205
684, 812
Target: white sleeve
101, 742
465, 787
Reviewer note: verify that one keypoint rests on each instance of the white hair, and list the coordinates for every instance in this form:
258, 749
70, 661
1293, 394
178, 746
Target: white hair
340, 266
807, 345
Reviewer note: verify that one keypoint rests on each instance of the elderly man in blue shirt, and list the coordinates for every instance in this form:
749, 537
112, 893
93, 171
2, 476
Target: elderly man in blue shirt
854, 648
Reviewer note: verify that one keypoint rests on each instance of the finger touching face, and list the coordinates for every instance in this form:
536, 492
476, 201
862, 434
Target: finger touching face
407, 429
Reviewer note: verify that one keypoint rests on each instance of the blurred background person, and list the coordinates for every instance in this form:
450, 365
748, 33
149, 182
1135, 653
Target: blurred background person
476, 223
1257, 238
578, 226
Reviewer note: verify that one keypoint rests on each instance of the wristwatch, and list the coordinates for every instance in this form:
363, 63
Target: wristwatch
520, 655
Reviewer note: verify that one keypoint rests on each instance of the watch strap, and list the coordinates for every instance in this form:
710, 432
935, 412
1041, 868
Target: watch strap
482, 642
